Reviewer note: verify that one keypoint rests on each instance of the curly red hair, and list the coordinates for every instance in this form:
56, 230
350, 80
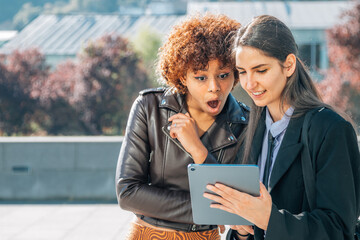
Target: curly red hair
193, 43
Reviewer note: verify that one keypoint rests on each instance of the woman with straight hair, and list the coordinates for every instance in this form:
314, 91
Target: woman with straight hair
194, 119
283, 93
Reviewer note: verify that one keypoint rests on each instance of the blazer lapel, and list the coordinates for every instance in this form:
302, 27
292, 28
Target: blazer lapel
288, 152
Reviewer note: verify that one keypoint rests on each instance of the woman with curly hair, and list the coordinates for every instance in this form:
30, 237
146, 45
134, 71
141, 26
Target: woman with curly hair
193, 120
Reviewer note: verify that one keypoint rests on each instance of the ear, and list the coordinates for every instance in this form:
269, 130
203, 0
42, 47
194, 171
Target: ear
183, 81
290, 65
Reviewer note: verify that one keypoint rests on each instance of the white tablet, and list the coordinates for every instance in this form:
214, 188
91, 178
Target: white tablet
244, 178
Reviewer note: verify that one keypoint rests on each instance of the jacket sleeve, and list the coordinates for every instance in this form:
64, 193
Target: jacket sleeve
210, 159
134, 193
337, 190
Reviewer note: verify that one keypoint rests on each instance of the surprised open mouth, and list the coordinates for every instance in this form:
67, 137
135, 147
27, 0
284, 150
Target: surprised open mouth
213, 104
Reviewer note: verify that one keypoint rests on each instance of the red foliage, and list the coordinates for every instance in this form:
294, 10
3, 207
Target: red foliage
90, 96
21, 76
112, 77
65, 82
29, 69
100, 86
341, 86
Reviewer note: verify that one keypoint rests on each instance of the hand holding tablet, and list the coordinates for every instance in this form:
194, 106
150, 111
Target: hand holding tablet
244, 178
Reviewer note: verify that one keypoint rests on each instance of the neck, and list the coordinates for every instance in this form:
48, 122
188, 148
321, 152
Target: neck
277, 113
200, 116
203, 120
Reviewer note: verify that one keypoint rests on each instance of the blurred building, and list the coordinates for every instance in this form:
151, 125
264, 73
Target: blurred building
62, 36
308, 20
6, 36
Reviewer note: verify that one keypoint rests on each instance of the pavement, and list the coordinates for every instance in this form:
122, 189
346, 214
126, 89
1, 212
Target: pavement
65, 221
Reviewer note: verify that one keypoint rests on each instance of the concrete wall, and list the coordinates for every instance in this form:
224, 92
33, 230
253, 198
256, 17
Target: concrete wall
58, 168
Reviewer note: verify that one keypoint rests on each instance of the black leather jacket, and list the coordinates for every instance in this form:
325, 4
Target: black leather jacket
151, 174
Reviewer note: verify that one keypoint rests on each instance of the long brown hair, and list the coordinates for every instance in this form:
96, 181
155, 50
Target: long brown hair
274, 39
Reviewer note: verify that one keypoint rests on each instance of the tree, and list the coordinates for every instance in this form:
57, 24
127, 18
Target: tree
59, 95
32, 100
100, 86
90, 96
112, 75
146, 44
21, 76
341, 86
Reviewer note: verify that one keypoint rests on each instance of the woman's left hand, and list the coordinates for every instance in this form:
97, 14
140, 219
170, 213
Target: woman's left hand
254, 209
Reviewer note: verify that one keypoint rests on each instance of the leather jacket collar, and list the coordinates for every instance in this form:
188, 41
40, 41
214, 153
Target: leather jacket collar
219, 135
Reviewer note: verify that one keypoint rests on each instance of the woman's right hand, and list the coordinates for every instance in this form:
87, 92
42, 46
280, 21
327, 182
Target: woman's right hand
184, 128
243, 230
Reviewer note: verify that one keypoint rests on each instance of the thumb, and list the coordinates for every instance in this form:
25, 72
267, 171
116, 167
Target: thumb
263, 191
187, 114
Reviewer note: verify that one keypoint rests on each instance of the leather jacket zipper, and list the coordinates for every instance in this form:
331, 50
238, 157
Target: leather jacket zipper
164, 129
221, 154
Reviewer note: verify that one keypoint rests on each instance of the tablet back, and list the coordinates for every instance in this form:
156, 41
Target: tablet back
241, 177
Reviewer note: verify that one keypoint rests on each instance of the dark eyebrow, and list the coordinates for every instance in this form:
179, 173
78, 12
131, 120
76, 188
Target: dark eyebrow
257, 66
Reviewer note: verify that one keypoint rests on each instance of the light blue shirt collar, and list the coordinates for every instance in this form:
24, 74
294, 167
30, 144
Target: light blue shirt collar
278, 130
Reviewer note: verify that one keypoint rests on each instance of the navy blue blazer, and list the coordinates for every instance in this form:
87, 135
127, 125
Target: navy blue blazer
333, 145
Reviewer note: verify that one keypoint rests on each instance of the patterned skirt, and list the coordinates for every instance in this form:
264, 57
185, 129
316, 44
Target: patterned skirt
139, 232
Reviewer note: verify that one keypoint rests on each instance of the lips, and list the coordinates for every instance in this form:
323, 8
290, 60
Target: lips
213, 103
258, 93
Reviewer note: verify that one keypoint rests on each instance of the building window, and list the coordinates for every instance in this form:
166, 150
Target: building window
314, 56
311, 55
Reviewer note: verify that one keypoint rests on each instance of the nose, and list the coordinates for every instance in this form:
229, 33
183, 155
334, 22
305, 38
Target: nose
214, 85
250, 82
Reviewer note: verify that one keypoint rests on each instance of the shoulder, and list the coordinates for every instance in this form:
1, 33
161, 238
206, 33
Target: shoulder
151, 95
326, 121
325, 118
152, 91
245, 107
237, 111
237, 104
148, 97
